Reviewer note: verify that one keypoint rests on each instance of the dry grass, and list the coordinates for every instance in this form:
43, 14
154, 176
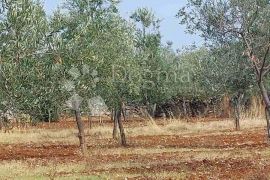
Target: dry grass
23, 171
174, 127
257, 109
197, 154
35, 170
39, 135
161, 175
51, 169
181, 127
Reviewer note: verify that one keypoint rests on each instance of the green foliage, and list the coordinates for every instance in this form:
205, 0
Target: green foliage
237, 29
96, 37
233, 21
87, 48
28, 81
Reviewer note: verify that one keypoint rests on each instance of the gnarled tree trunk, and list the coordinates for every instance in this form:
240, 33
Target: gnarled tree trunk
267, 106
115, 124
81, 134
120, 125
237, 117
124, 112
236, 103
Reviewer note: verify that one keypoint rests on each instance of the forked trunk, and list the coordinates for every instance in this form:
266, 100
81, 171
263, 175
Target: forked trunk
121, 127
267, 106
81, 134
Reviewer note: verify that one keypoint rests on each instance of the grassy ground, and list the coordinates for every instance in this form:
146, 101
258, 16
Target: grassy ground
169, 149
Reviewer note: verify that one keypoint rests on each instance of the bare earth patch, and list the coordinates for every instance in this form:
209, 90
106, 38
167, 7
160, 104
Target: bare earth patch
213, 153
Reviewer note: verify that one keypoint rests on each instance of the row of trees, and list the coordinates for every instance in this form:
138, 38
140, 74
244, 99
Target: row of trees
242, 25
86, 49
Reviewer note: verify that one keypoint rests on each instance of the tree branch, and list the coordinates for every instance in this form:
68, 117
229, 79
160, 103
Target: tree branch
251, 56
264, 71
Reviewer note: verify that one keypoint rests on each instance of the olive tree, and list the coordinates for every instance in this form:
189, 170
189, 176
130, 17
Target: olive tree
225, 73
27, 71
120, 73
242, 21
97, 52
154, 65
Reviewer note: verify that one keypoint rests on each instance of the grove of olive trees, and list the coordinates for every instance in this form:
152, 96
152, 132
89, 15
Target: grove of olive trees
86, 49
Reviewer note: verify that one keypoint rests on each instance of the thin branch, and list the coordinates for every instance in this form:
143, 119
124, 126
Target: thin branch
267, 70
251, 56
232, 31
256, 69
264, 71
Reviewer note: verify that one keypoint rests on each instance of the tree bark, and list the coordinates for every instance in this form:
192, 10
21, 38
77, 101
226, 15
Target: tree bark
237, 117
100, 120
267, 116
49, 113
236, 108
124, 112
112, 115
81, 134
153, 108
267, 105
115, 124
1, 123
184, 108
121, 127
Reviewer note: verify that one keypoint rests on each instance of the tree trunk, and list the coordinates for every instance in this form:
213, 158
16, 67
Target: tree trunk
1, 123
214, 110
112, 115
267, 116
237, 117
49, 118
153, 108
121, 127
124, 113
81, 134
90, 123
267, 106
236, 108
184, 108
100, 120
115, 124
